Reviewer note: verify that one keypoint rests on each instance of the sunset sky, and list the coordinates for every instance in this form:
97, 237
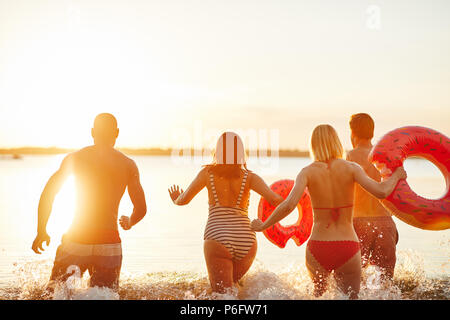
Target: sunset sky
165, 67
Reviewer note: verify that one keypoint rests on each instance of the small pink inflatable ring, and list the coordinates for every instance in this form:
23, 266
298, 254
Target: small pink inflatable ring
299, 231
390, 153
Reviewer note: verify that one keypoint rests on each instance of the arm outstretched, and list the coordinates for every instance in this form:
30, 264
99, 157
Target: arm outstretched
379, 190
287, 206
258, 185
48, 195
180, 197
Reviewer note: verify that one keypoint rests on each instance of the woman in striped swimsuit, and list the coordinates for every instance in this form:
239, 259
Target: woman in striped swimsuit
229, 243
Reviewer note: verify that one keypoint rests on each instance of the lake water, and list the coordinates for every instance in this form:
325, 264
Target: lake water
163, 254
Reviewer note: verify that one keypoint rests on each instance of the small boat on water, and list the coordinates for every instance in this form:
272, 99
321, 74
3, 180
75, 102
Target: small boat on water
17, 156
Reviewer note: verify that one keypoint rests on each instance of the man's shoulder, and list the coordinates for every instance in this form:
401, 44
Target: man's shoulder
125, 163
120, 154
82, 151
123, 157
354, 153
72, 156
116, 155
350, 153
358, 155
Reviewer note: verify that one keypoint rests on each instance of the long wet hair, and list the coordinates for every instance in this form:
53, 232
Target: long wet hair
229, 159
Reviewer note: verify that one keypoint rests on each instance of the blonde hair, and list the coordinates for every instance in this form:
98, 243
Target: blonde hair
325, 144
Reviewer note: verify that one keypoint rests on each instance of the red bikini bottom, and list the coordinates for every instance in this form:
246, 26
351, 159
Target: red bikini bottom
332, 254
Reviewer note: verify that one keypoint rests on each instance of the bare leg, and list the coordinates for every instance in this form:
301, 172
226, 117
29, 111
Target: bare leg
240, 267
317, 273
220, 265
348, 276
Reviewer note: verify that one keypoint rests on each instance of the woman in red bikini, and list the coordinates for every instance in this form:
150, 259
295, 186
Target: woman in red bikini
333, 244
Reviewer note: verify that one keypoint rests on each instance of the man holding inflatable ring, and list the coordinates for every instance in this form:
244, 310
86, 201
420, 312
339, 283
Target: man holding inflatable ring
373, 224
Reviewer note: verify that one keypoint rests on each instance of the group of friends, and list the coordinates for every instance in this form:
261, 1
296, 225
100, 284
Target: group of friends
351, 228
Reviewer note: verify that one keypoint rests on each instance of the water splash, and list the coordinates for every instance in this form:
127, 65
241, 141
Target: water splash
287, 283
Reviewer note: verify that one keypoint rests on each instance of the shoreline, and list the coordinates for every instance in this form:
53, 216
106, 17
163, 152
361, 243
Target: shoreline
18, 152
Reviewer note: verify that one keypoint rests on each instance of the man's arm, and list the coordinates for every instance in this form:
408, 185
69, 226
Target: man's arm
52, 187
137, 197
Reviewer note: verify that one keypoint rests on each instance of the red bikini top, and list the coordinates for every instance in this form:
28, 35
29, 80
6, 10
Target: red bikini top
334, 211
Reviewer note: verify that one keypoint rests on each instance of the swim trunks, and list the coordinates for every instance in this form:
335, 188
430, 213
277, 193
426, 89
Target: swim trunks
378, 237
103, 261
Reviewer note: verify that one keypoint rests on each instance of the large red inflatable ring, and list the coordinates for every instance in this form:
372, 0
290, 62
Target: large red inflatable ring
390, 153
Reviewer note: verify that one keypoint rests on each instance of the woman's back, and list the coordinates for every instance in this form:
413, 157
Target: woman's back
331, 187
228, 189
229, 242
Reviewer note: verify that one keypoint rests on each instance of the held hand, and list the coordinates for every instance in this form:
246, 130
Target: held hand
125, 222
257, 225
175, 192
40, 239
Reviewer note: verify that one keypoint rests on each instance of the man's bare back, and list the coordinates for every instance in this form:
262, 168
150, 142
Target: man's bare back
365, 204
101, 174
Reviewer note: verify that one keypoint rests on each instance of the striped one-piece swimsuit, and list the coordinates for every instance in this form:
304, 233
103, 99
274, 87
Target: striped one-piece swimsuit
230, 226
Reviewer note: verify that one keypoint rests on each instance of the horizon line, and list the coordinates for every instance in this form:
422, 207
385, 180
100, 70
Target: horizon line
141, 151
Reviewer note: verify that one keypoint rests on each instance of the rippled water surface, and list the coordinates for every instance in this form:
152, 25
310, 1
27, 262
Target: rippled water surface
163, 255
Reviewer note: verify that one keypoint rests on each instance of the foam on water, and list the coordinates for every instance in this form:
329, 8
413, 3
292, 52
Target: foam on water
290, 282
